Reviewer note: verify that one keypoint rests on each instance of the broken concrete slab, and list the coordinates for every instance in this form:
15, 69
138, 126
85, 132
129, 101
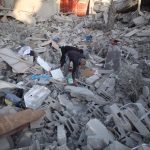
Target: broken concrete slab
80, 91
14, 60
61, 135
35, 96
7, 85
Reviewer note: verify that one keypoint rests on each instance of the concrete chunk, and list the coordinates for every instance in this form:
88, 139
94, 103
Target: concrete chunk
61, 135
97, 134
80, 91
92, 79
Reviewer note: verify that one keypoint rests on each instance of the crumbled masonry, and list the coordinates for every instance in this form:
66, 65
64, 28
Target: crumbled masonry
108, 108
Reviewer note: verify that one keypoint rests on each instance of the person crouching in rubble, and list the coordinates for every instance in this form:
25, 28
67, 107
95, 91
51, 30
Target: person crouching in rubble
74, 55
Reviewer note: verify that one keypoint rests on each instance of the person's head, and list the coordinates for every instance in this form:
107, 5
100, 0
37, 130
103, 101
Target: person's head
82, 62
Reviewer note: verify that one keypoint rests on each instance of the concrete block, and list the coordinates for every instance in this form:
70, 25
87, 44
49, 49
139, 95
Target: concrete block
104, 95
61, 135
120, 120
72, 127
92, 79
97, 134
137, 123
95, 110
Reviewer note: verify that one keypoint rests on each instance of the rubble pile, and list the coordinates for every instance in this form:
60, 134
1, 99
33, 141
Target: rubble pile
108, 109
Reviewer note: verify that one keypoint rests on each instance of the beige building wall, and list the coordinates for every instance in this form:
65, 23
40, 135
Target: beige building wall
30, 10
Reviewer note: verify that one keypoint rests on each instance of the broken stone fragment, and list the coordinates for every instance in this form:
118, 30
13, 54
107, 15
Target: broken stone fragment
97, 134
80, 91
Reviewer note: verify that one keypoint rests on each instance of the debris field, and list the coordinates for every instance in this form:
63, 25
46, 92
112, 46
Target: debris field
108, 109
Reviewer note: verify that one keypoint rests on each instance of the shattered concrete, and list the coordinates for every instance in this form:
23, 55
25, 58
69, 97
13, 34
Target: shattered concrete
108, 108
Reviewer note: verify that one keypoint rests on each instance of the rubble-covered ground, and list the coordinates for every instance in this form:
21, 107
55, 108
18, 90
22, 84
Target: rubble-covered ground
108, 108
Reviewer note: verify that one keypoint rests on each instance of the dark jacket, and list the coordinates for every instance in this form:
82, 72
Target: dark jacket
74, 54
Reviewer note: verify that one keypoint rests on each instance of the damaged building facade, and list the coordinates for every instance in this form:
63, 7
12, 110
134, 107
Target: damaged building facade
109, 106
